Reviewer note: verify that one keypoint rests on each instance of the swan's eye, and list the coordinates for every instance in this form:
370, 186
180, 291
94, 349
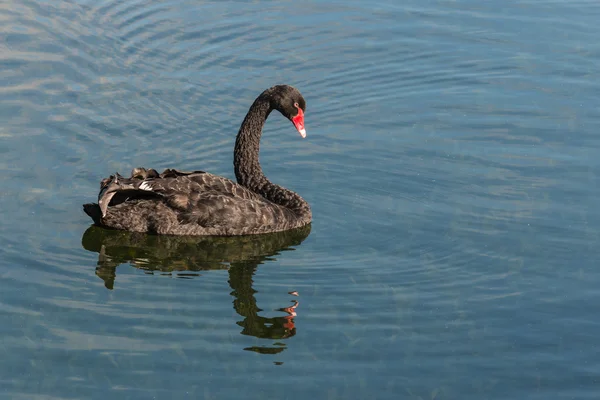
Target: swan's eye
296, 105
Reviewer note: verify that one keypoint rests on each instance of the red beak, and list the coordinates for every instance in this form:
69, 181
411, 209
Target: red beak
298, 121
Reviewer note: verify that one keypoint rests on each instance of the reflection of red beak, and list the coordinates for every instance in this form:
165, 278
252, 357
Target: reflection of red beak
298, 121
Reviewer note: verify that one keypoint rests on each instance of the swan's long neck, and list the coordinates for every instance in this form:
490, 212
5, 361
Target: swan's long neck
247, 146
247, 166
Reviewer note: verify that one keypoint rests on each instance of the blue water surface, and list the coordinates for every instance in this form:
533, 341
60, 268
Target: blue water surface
451, 164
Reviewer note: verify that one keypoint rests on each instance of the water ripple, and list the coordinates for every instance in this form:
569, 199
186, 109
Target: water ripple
450, 165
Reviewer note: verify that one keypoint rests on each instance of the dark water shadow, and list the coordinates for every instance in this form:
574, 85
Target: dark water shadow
186, 256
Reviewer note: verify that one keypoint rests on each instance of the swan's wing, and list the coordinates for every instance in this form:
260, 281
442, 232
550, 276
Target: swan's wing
211, 201
180, 190
172, 181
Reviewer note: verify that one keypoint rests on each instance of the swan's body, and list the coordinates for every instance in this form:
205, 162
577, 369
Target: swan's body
199, 203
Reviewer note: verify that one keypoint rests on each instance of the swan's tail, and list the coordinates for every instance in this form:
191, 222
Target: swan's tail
93, 210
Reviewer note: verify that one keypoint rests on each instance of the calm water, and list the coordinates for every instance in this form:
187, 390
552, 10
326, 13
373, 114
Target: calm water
451, 163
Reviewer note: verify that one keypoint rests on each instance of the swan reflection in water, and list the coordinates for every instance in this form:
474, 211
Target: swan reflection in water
186, 255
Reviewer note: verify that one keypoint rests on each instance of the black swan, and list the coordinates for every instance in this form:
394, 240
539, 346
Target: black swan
198, 203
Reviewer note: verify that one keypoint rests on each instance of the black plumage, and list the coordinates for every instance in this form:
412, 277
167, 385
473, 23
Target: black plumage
198, 203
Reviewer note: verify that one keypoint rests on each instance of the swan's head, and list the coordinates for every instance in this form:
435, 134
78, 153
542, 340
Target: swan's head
289, 102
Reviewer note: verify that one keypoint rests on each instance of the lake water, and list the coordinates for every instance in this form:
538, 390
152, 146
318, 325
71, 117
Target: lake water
451, 164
